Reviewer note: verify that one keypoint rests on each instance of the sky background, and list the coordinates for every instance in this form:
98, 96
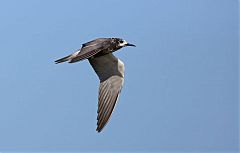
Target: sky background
181, 81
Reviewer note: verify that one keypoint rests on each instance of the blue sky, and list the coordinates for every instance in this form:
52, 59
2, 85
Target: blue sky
181, 81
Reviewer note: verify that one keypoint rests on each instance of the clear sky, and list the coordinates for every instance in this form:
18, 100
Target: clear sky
181, 81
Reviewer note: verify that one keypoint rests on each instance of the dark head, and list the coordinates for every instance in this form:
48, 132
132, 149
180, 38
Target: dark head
123, 43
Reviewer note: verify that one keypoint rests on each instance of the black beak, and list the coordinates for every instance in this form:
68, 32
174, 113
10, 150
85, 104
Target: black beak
128, 44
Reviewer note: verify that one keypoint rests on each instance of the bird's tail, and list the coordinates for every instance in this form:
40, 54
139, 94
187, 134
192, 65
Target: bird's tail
64, 59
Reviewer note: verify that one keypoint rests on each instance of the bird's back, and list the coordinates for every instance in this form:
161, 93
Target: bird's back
96, 41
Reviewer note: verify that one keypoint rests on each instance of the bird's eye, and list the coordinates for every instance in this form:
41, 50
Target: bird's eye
121, 41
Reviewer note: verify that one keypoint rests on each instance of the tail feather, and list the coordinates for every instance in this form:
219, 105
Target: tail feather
64, 59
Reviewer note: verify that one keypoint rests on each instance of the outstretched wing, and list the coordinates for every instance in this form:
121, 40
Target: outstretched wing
90, 49
110, 71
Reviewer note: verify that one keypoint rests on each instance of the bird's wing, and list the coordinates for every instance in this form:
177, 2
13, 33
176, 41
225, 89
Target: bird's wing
90, 49
110, 71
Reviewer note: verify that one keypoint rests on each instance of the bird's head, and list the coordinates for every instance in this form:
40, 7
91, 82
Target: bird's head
123, 43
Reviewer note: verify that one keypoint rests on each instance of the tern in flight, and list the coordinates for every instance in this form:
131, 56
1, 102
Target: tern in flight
109, 69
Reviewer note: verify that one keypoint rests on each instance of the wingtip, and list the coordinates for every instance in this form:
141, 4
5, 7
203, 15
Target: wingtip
98, 130
57, 62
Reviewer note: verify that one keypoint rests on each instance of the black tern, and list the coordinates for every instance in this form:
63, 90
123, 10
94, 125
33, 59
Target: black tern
109, 69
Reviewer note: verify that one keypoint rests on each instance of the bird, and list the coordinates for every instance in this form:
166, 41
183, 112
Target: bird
109, 69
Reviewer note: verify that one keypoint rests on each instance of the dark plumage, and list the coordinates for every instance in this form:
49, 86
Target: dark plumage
109, 69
